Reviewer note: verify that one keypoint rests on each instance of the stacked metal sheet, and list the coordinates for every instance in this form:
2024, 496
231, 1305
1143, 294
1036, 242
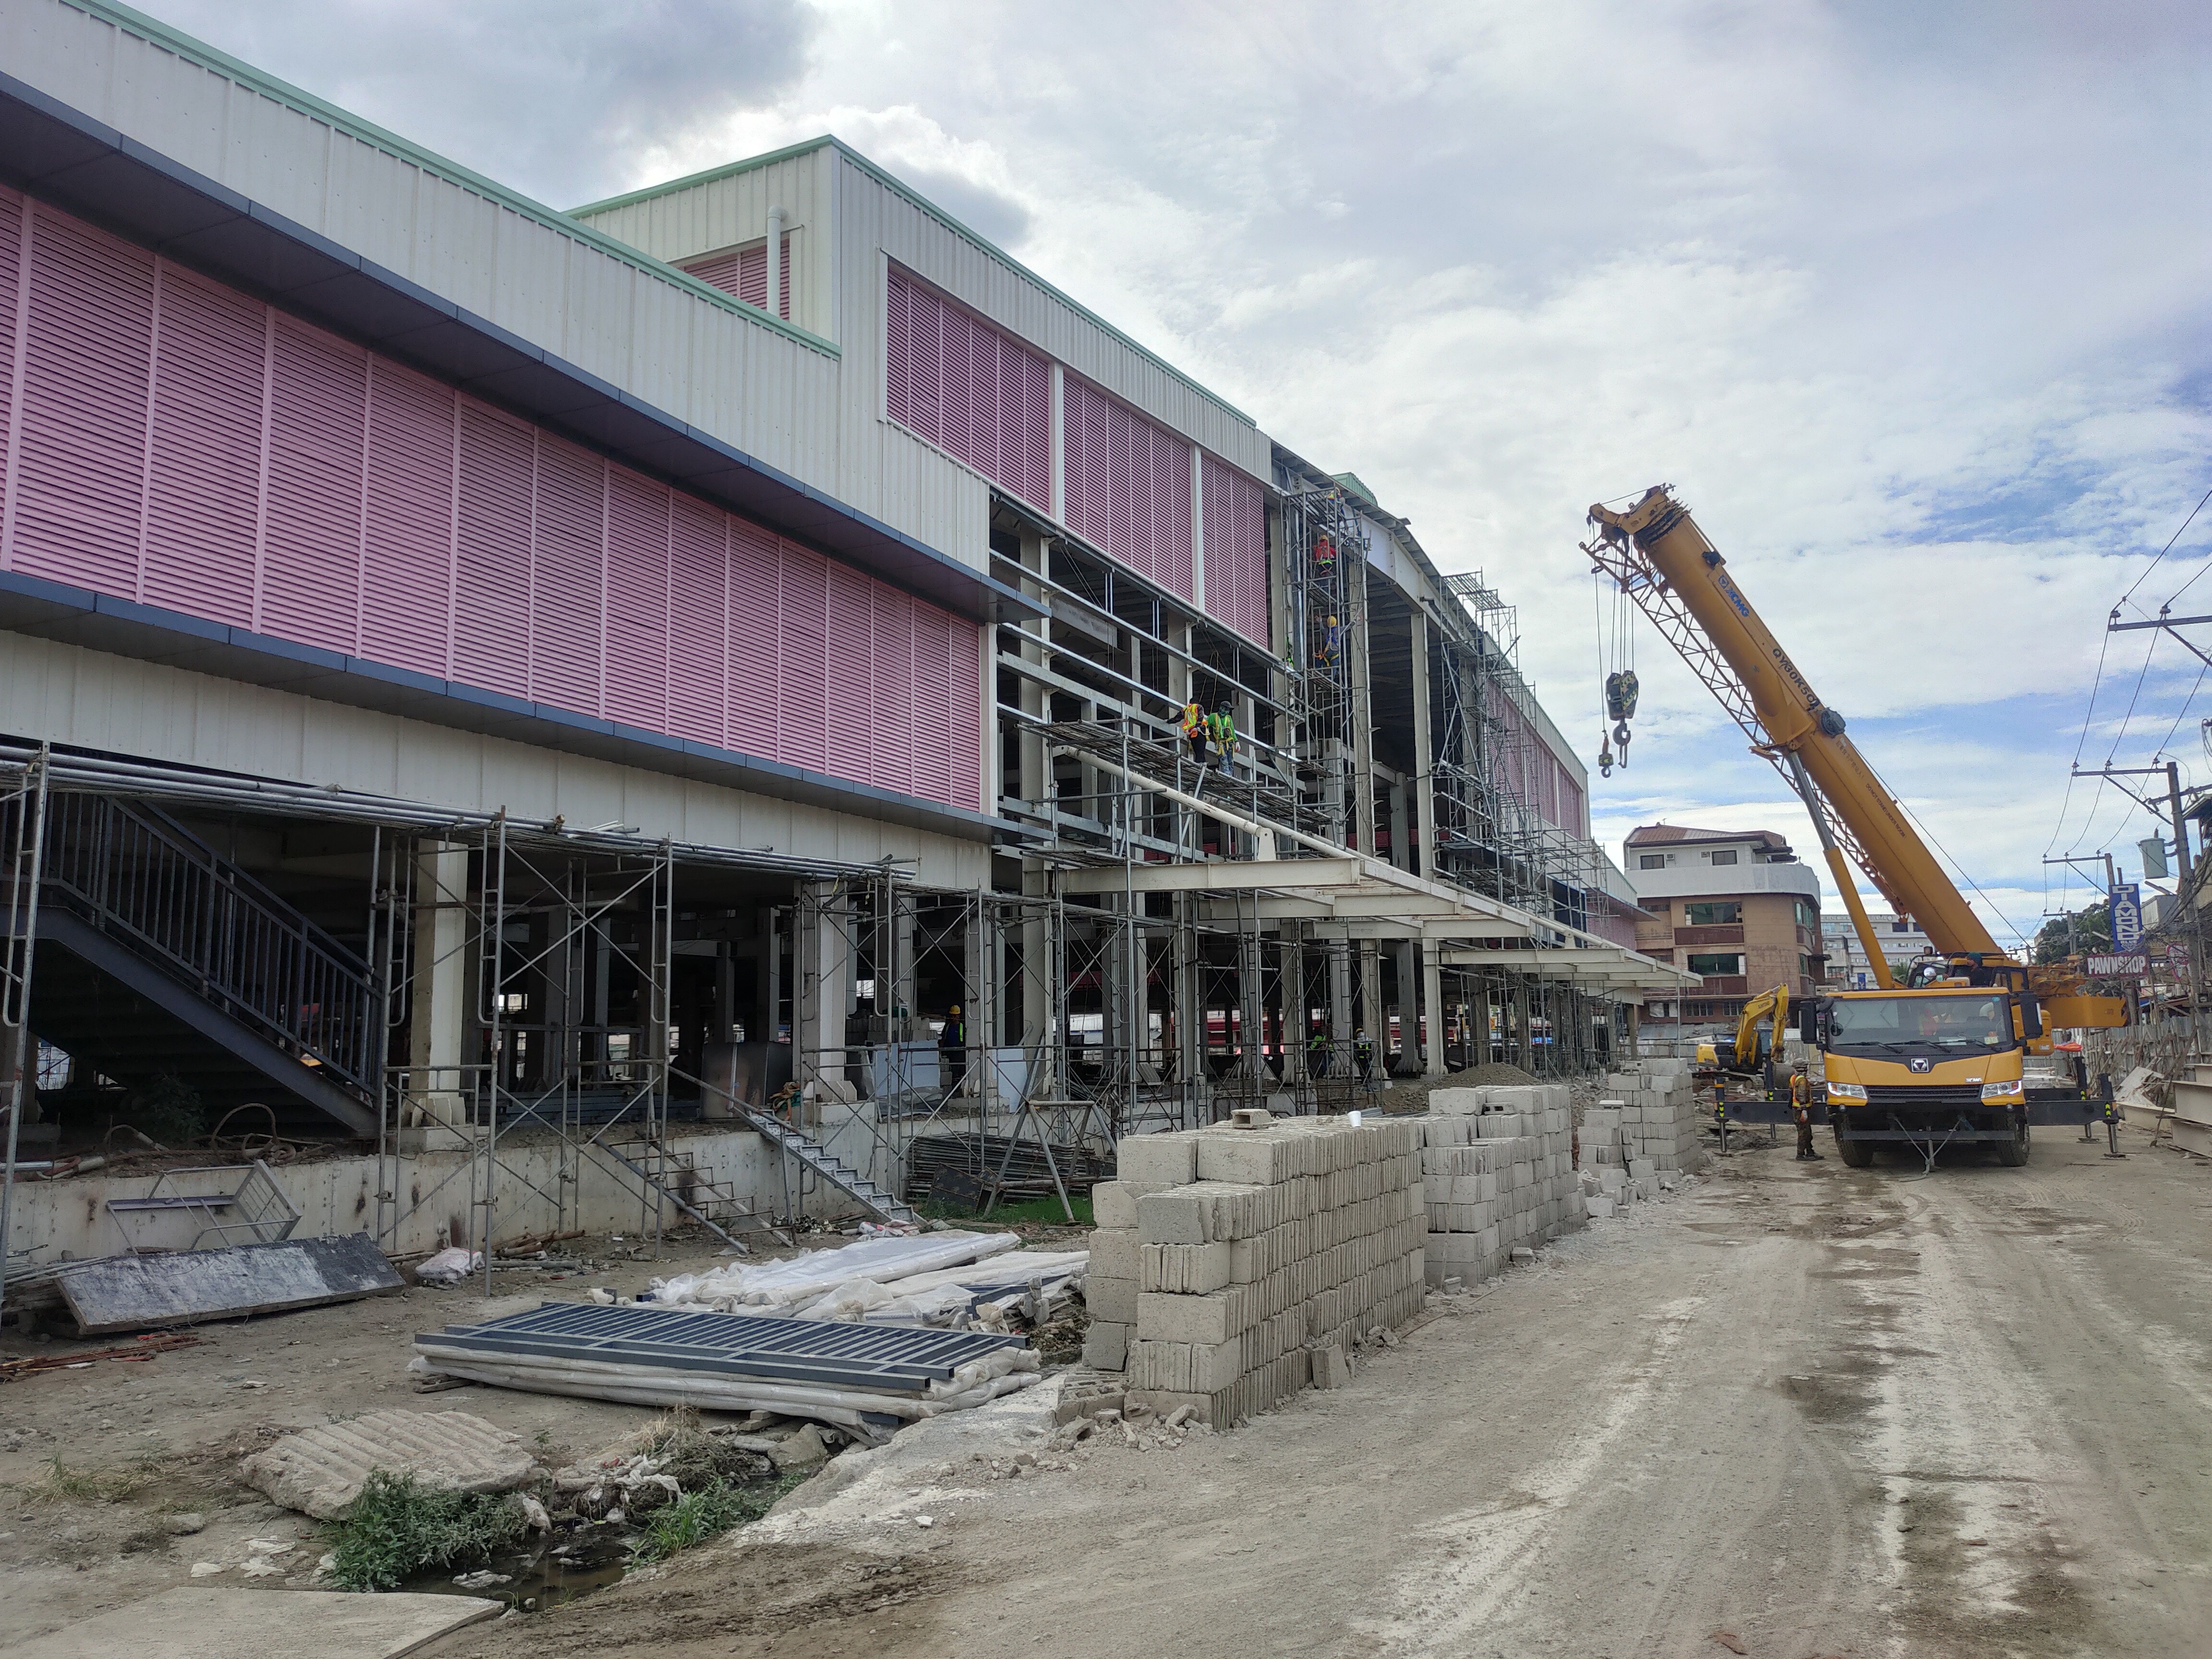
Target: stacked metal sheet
866, 1378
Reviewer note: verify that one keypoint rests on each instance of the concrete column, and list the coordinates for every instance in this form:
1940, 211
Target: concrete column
1294, 1005
725, 995
821, 965
1189, 1001
1432, 1005
1421, 853
1409, 1006
438, 1006
768, 978
1369, 1015
1401, 830
1251, 1011
1339, 1007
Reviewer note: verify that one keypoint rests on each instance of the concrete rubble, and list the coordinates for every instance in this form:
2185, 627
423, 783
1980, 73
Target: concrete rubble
1226, 1258
1644, 1136
320, 1471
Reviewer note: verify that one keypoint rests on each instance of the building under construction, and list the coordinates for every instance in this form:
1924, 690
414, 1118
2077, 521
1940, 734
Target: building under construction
574, 702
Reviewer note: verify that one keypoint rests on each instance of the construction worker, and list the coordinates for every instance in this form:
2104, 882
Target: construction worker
1194, 731
952, 1052
1720, 1112
1801, 1110
1362, 1056
1328, 641
1317, 1055
1324, 552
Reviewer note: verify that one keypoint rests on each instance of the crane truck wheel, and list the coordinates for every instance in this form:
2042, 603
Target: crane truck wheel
2012, 1153
1857, 1154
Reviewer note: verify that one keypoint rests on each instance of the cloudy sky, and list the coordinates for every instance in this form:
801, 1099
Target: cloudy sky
1913, 303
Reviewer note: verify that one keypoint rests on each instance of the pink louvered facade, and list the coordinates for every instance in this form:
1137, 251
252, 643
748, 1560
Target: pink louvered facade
1235, 541
173, 442
1127, 485
744, 274
961, 385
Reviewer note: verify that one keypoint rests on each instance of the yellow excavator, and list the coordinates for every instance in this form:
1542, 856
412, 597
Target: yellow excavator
1754, 1051
1935, 1064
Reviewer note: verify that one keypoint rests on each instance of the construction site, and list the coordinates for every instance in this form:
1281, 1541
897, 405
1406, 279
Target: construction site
961, 1002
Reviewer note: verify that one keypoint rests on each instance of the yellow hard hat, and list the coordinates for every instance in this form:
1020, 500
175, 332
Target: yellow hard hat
956, 1008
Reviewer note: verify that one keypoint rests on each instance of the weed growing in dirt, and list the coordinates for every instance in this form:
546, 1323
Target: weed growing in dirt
397, 1528
99, 1485
707, 1513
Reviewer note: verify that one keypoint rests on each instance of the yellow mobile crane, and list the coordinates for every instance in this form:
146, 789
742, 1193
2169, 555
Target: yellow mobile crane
1923, 1066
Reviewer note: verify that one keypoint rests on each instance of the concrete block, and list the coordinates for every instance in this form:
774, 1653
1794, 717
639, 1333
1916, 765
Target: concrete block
1110, 1299
1498, 1126
1105, 1345
1171, 1216
1217, 1317
1169, 1159
1185, 1269
1115, 1253
1642, 1169
1184, 1367
1113, 1203
1329, 1366
1457, 1103
1254, 1157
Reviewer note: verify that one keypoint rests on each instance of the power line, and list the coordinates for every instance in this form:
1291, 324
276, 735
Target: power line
2162, 552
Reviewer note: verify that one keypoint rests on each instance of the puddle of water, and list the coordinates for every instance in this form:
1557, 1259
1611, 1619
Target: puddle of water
559, 1568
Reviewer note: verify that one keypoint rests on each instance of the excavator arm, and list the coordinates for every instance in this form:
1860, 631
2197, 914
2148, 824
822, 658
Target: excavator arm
1775, 1002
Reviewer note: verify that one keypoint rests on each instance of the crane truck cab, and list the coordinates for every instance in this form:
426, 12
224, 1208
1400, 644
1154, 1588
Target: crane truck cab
1937, 1066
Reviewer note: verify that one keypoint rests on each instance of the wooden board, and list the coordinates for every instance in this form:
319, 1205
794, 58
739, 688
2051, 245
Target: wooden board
145, 1292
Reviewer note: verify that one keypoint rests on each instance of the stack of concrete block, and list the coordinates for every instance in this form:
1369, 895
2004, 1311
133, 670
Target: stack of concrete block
1252, 1251
1659, 1121
1498, 1173
1606, 1183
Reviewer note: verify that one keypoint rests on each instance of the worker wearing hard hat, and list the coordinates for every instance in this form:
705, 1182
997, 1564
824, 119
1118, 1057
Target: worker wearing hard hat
1801, 1110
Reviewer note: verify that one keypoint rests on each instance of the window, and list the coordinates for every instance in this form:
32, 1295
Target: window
1698, 1010
1719, 914
1726, 856
1804, 966
1709, 965
1652, 861
1807, 915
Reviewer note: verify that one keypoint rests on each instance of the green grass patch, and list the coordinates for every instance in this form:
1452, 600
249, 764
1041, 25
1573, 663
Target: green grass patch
707, 1513
1028, 1212
397, 1528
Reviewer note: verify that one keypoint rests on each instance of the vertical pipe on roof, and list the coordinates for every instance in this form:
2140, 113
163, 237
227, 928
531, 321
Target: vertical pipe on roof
777, 219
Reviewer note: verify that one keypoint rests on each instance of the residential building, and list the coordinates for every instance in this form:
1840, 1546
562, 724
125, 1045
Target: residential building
1736, 908
708, 635
1847, 969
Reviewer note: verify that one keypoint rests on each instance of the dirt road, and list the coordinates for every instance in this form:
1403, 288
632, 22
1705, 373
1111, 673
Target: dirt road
1828, 1411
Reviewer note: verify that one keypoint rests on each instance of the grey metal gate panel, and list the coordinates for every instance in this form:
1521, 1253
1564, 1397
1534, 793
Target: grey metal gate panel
890, 1357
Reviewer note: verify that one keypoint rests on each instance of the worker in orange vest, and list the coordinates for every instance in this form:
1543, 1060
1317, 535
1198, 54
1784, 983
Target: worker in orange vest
1194, 730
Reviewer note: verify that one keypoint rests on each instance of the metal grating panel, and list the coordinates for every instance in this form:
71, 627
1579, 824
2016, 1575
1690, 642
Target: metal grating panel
889, 1357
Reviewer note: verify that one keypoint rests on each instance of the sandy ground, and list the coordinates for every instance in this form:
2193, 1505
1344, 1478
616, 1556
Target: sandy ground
1828, 1411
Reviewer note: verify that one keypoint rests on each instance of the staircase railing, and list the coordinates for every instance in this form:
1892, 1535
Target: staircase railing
148, 882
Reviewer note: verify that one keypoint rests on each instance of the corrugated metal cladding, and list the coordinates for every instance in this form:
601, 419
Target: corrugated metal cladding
1235, 539
1542, 780
175, 442
1128, 484
744, 273
969, 389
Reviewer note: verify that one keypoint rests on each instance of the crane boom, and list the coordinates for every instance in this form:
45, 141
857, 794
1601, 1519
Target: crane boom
1658, 553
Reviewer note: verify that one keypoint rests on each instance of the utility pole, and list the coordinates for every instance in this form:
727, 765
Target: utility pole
2184, 864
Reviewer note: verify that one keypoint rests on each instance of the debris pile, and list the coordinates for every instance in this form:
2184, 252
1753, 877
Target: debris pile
811, 1278
1497, 1172
1234, 1265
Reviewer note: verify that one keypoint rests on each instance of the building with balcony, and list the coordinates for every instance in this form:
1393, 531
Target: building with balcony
1736, 908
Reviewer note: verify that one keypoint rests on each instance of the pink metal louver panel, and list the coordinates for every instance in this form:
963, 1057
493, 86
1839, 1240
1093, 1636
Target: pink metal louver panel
407, 576
78, 494
203, 469
759, 679
638, 613
965, 732
934, 643
1236, 549
491, 618
802, 737
311, 558
744, 274
698, 619
892, 724
852, 649
176, 440
1128, 486
957, 382
568, 577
